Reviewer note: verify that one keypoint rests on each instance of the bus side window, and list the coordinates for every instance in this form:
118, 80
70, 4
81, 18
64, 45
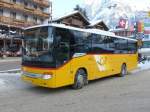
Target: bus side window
132, 46
72, 46
81, 42
121, 46
100, 44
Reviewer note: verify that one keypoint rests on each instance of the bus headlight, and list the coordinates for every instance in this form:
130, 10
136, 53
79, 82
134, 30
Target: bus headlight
46, 77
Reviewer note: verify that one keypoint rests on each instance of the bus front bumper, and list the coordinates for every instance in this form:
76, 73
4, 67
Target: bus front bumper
39, 79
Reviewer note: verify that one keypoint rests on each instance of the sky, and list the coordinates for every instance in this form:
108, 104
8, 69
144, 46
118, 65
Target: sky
60, 7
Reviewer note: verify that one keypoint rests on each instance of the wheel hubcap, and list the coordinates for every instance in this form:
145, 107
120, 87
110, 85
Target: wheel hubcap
124, 70
80, 79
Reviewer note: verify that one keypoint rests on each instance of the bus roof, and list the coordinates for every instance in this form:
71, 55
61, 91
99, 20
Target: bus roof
95, 31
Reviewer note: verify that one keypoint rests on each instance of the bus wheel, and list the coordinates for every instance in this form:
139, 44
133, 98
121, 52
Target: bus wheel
123, 70
80, 79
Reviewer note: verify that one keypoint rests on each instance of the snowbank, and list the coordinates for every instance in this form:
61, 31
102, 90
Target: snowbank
2, 82
9, 80
144, 66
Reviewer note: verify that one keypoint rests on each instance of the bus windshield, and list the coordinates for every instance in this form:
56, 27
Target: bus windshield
38, 46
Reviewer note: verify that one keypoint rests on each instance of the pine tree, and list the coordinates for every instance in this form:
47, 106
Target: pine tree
82, 10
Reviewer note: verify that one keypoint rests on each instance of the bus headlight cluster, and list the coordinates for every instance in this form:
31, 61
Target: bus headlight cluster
46, 77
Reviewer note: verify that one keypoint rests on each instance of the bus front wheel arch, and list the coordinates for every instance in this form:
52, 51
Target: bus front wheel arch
80, 79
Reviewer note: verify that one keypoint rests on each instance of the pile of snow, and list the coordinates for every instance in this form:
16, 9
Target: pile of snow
9, 80
2, 82
144, 66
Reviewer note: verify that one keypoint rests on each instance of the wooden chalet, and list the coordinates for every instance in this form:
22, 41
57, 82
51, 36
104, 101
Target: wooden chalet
75, 19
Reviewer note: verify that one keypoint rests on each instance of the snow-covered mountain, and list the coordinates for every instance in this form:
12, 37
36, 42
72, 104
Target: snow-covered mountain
110, 11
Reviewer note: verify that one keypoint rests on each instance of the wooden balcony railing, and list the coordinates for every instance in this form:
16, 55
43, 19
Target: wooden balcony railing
20, 7
15, 22
44, 3
41, 14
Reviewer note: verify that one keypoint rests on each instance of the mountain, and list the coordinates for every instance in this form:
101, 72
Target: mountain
110, 11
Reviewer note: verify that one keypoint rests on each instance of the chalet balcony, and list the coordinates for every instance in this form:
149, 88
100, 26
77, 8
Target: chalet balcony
24, 9
44, 3
15, 22
41, 14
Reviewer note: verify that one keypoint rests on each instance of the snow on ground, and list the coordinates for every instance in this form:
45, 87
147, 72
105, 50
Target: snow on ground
2, 82
144, 66
9, 81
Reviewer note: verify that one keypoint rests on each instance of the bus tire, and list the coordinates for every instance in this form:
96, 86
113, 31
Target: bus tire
123, 70
80, 79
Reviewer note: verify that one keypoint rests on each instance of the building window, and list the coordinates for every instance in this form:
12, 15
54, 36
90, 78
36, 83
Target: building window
25, 17
35, 6
42, 21
35, 19
41, 8
13, 15
26, 4
13, 1
1, 12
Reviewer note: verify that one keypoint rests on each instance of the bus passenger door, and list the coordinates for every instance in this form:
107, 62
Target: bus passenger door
62, 55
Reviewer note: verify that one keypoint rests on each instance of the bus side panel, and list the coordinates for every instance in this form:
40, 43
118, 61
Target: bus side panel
110, 64
85, 62
132, 61
101, 67
113, 63
65, 75
118, 59
97, 66
107, 65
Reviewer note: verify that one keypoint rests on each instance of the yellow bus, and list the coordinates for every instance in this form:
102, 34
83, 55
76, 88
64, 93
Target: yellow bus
56, 55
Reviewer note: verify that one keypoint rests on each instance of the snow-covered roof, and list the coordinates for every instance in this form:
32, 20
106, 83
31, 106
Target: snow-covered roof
95, 31
93, 23
72, 13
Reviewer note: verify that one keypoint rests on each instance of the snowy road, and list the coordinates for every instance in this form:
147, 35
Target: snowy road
10, 81
10, 65
113, 94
